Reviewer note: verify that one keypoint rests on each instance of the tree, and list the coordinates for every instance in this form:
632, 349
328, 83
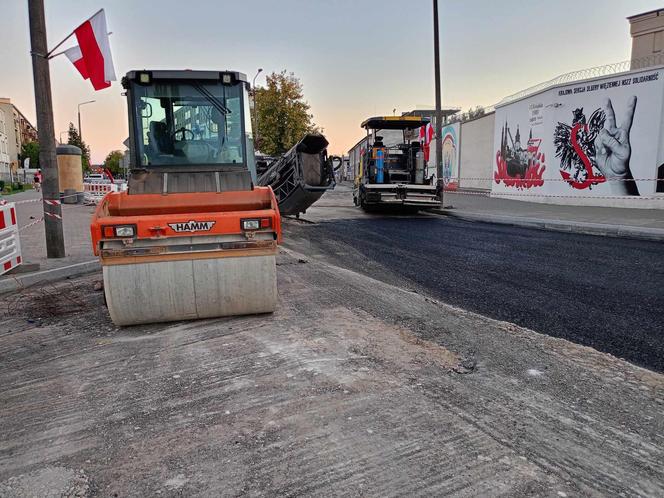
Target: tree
475, 113
283, 116
113, 162
75, 139
31, 150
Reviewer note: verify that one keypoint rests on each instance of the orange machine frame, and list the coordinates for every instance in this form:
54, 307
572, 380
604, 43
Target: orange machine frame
152, 214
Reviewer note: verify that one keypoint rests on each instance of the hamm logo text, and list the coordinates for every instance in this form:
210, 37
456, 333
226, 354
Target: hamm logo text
192, 226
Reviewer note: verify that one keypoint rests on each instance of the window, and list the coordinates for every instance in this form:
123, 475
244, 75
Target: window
190, 123
658, 41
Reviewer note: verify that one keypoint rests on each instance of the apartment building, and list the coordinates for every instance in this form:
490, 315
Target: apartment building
15, 130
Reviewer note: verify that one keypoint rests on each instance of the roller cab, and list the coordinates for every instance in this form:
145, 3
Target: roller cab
193, 237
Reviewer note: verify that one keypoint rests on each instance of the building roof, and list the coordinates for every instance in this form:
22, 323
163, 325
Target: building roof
394, 122
645, 14
445, 111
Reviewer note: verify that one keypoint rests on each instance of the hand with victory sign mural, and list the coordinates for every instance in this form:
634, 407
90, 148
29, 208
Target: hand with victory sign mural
614, 149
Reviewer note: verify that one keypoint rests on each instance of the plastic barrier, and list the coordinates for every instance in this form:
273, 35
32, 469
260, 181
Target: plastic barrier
10, 246
94, 192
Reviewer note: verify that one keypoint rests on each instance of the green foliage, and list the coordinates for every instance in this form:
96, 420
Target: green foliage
113, 162
282, 114
75, 139
31, 150
12, 188
471, 113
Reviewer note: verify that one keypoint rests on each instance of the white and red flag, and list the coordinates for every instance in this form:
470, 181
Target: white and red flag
426, 136
92, 57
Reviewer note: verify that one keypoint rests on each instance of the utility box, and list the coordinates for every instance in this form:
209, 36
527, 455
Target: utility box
70, 170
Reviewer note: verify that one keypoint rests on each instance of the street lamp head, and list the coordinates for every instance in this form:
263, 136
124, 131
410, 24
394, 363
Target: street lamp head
253, 82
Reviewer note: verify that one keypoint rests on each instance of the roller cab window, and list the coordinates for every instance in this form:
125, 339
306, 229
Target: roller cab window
187, 123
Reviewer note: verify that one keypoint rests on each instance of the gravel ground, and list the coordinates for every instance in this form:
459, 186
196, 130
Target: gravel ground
354, 387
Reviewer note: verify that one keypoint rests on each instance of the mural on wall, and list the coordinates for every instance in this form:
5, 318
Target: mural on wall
590, 151
450, 156
516, 166
589, 138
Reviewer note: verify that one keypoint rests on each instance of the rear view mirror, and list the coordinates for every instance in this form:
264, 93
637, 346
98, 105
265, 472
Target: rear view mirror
146, 110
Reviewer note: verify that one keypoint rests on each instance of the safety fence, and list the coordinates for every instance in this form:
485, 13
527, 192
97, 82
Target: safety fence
10, 245
94, 192
46, 202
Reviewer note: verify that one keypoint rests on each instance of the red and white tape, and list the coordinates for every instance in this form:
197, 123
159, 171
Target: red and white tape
36, 222
52, 202
486, 179
561, 196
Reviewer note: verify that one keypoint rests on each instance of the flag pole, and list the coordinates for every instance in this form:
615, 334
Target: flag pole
62, 52
49, 56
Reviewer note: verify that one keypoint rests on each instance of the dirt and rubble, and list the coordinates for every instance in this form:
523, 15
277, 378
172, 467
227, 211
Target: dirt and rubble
354, 387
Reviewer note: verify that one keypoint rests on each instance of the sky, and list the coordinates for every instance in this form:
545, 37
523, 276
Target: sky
355, 58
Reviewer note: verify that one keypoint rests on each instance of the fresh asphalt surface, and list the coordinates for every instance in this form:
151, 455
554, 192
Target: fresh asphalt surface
606, 293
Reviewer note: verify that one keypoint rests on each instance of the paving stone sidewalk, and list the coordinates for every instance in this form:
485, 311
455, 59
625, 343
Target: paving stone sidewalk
76, 223
644, 223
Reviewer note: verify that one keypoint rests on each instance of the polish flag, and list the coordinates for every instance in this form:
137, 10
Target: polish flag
93, 57
76, 58
426, 136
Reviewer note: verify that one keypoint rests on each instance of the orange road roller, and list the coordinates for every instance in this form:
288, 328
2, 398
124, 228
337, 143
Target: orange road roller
193, 236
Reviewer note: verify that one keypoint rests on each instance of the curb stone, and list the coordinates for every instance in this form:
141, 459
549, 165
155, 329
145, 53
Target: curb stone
600, 229
19, 281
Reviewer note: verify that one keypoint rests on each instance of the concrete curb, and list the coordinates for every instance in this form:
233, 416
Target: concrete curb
19, 281
601, 229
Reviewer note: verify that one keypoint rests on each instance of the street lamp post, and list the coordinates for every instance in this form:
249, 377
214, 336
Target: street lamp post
439, 113
80, 132
253, 92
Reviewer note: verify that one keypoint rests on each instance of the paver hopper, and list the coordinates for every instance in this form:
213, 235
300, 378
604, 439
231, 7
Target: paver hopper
301, 176
193, 237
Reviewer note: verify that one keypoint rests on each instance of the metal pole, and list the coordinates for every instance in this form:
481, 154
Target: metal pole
80, 132
55, 242
439, 113
253, 91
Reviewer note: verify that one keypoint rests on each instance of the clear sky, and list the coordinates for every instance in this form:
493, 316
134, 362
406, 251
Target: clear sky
355, 58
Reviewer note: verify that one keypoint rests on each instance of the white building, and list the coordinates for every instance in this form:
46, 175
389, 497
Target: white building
15, 130
4, 147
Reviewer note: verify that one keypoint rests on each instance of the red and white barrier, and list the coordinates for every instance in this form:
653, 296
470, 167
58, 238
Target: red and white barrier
10, 245
94, 192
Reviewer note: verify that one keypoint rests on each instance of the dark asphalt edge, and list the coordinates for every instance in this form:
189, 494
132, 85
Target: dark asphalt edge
11, 283
580, 227
502, 325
